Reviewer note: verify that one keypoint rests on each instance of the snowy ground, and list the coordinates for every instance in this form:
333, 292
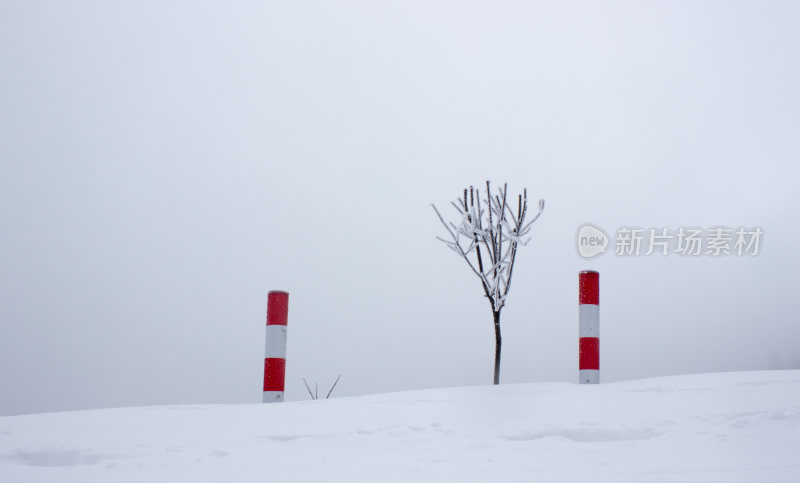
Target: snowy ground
729, 427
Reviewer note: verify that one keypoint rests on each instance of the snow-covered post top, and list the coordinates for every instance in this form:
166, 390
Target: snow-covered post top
589, 327
275, 352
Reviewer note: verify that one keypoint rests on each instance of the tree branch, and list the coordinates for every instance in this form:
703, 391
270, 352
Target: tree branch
503, 233
334, 385
308, 388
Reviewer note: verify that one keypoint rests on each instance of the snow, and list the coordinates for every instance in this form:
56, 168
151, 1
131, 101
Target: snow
726, 427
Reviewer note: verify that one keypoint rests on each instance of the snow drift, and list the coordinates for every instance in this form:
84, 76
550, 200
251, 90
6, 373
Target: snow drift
728, 427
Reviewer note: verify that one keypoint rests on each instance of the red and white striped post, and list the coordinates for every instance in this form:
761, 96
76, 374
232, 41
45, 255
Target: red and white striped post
589, 327
275, 352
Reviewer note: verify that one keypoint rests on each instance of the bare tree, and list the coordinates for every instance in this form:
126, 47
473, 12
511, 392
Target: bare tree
315, 395
487, 237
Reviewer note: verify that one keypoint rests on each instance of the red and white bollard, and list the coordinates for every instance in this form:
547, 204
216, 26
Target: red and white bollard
589, 327
275, 352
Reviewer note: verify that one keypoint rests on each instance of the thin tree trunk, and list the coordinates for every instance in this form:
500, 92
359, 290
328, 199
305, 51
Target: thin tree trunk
498, 342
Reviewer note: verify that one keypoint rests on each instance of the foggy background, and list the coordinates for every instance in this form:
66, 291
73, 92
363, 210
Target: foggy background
166, 164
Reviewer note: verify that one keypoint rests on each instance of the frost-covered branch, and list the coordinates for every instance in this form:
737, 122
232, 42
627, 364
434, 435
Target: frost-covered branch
488, 238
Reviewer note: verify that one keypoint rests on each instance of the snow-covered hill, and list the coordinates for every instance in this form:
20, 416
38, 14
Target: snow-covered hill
728, 427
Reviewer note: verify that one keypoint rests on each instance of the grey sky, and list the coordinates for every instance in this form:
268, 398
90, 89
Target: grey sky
165, 164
